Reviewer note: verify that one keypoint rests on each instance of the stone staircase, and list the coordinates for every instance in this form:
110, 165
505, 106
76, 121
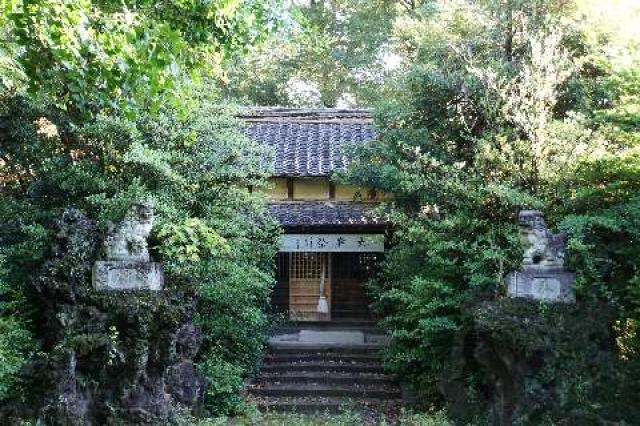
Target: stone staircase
329, 368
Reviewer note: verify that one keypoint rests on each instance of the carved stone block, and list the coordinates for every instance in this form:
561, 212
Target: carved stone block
123, 275
542, 283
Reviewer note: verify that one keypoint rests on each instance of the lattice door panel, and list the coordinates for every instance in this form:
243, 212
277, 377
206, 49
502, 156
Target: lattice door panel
305, 279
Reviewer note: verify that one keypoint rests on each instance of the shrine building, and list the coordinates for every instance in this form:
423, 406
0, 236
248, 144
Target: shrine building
332, 241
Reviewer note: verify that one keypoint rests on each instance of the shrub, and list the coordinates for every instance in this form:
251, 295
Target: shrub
17, 346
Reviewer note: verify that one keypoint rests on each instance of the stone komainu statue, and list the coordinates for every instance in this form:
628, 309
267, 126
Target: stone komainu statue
542, 247
128, 265
128, 240
542, 275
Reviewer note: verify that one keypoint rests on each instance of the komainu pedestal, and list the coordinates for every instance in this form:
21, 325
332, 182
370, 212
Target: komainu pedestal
123, 275
542, 283
128, 265
543, 275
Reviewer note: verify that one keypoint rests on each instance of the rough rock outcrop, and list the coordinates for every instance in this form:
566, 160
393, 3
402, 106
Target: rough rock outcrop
111, 357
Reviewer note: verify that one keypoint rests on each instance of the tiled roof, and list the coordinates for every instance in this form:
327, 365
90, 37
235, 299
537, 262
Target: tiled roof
324, 213
308, 142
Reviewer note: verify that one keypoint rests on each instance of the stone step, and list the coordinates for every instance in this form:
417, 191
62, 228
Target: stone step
324, 390
321, 356
347, 347
333, 405
310, 350
349, 313
326, 378
347, 296
290, 329
354, 305
350, 324
352, 308
366, 327
313, 367
336, 367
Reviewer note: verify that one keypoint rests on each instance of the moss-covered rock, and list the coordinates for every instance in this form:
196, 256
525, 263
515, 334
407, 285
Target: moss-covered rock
537, 363
111, 357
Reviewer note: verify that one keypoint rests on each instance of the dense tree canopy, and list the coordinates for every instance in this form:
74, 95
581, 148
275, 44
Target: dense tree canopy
503, 108
327, 53
88, 56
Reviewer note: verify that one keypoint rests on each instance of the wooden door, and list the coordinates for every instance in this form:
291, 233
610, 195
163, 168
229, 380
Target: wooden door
280, 295
351, 271
308, 272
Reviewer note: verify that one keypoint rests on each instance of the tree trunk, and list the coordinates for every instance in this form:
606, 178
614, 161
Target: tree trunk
508, 40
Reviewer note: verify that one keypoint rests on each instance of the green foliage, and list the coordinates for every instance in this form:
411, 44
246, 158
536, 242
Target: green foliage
17, 346
225, 383
91, 56
559, 358
233, 301
602, 215
190, 241
327, 53
213, 236
436, 268
502, 109
496, 107
600, 206
433, 418
115, 112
